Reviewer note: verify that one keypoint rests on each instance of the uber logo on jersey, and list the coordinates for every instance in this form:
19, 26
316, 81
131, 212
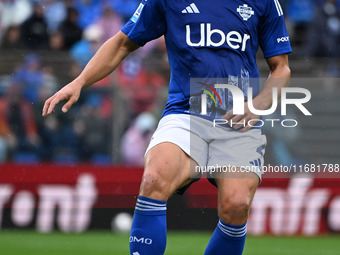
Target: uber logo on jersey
233, 39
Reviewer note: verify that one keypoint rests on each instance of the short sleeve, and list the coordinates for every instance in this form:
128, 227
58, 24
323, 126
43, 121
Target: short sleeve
273, 36
147, 23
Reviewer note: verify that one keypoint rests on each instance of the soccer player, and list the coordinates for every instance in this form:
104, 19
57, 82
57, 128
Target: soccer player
205, 39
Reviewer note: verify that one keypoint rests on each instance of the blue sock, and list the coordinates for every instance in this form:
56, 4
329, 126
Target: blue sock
148, 231
227, 239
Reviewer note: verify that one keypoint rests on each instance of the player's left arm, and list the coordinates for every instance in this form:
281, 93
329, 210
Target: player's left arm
278, 78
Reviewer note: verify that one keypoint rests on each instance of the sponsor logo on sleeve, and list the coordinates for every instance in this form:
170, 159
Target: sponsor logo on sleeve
283, 39
137, 13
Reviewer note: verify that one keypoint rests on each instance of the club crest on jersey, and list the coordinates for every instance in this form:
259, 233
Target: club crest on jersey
245, 12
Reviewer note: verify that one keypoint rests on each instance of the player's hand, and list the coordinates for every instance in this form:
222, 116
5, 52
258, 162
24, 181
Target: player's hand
70, 92
242, 120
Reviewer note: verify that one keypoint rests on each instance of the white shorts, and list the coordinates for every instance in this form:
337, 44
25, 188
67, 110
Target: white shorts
212, 147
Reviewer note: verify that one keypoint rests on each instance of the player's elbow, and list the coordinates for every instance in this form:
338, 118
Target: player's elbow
281, 71
285, 71
286, 74
283, 74
279, 66
127, 45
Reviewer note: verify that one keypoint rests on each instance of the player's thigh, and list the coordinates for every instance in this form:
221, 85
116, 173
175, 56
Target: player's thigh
235, 194
167, 168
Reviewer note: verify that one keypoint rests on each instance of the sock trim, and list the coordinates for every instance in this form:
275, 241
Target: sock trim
149, 203
150, 200
231, 230
150, 209
144, 205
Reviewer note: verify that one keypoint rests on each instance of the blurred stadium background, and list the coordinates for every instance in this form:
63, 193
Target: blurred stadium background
80, 172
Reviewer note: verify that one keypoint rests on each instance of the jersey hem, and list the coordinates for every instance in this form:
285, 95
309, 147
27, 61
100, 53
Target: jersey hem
133, 39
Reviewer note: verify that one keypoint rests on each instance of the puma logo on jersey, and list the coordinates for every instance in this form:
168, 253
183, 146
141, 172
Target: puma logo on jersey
233, 39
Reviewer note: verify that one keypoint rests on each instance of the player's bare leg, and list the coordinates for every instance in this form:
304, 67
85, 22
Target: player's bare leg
235, 194
167, 168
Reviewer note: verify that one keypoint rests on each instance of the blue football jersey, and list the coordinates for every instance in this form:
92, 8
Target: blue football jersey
211, 39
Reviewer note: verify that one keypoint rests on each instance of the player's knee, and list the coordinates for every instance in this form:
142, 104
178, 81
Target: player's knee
153, 186
234, 210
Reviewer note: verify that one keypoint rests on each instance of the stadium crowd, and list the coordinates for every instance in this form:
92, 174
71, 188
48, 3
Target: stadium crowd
36, 29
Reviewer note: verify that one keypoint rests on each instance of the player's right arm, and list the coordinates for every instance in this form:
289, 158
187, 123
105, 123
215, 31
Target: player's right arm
104, 62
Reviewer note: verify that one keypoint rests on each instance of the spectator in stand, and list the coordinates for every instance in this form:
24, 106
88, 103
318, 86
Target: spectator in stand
11, 39
324, 35
92, 129
140, 86
54, 13
72, 33
89, 11
58, 142
31, 76
34, 30
84, 50
56, 41
49, 129
137, 138
14, 12
157, 59
300, 14
110, 23
17, 123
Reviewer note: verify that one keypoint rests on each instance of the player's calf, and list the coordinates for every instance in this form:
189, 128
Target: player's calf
166, 170
234, 199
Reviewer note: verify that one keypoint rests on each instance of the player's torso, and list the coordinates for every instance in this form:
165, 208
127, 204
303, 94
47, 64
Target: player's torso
214, 34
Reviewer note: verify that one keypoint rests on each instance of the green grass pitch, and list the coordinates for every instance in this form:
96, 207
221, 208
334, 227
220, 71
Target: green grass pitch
186, 243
